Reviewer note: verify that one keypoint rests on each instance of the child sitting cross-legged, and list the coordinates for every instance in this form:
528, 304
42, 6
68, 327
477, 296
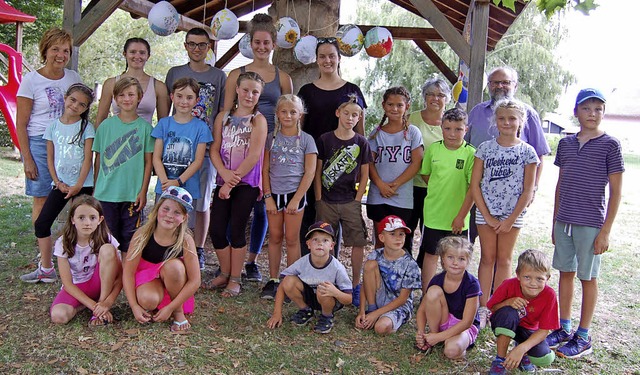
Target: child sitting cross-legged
317, 281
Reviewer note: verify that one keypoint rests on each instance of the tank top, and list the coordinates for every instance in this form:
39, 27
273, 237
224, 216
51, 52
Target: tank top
155, 253
236, 137
269, 99
147, 105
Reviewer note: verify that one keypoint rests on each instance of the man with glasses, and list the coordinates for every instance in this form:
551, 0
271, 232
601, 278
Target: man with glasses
503, 82
210, 102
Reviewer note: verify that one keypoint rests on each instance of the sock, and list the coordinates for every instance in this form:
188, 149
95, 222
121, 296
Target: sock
583, 333
328, 316
46, 270
566, 325
499, 358
199, 249
275, 280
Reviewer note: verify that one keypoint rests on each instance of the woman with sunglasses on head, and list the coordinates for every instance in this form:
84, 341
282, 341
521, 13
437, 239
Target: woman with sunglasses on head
136, 53
322, 98
263, 36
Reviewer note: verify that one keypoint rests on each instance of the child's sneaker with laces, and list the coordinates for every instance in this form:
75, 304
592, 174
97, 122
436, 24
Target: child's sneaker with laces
40, 276
575, 348
270, 289
497, 367
483, 316
201, 258
557, 338
355, 295
302, 317
526, 365
324, 325
252, 272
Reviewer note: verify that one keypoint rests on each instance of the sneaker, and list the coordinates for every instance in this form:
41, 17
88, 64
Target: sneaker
483, 316
526, 365
252, 272
324, 325
201, 258
38, 275
575, 348
302, 317
270, 289
355, 295
497, 367
557, 338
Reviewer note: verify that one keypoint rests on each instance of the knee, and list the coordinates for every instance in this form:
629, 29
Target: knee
383, 326
276, 235
503, 262
148, 301
453, 351
292, 238
107, 253
488, 259
326, 301
434, 293
370, 266
289, 283
173, 271
59, 316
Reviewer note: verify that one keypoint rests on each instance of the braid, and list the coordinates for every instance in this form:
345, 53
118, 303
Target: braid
275, 132
379, 127
405, 125
299, 134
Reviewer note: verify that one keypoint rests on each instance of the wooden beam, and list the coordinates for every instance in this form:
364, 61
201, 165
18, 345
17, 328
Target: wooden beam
90, 21
141, 8
479, 30
439, 21
408, 33
227, 57
71, 15
437, 61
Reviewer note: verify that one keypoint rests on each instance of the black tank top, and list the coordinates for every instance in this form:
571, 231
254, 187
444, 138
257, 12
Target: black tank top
155, 253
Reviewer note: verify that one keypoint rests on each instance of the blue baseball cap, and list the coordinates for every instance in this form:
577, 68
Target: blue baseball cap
586, 94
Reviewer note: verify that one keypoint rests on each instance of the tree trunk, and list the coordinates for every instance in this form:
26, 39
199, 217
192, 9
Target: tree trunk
319, 18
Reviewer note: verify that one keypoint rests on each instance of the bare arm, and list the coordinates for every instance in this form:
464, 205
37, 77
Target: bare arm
256, 145
24, 108
84, 169
129, 283
515, 355
523, 200
286, 85
317, 181
141, 200
359, 128
305, 182
362, 184
412, 169
476, 192
51, 163
468, 315
158, 166
163, 102
601, 243
105, 101
230, 90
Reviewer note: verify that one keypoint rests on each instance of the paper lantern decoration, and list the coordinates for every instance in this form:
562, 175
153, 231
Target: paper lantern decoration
288, 32
459, 92
378, 42
163, 18
305, 49
245, 46
211, 58
350, 40
224, 25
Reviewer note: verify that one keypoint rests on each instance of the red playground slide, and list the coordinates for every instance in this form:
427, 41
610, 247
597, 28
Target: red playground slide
8, 92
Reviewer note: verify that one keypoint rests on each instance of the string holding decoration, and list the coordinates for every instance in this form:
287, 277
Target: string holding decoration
163, 18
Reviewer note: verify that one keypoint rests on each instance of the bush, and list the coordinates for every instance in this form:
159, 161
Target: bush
553, 140
5, 137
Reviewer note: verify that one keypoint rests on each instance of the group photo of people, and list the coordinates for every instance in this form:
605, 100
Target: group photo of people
242, 162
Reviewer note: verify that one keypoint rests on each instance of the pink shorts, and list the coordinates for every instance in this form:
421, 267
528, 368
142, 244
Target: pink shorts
91, 288
471, 332
147, 272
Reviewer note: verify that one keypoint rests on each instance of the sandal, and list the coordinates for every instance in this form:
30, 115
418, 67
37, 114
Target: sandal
212, 285
97, 322
180, 327
228, 292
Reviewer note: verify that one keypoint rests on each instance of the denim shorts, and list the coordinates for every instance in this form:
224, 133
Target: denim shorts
574, 250
41, 186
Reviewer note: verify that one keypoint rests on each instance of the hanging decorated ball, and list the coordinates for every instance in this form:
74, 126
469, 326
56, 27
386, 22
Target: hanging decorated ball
378, 42
459, 92
350, 40
245, 46
163, 18
224, 25
305, 49
288, 32
211, 58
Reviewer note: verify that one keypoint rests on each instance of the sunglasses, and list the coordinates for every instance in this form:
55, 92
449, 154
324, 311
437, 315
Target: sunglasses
176, 193
331, 40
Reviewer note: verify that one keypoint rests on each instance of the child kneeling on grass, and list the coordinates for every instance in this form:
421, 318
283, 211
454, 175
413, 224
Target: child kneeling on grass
317, 281
524, 309
390, 275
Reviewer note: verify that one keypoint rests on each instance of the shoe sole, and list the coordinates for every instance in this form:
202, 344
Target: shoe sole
302, 324
268, 297
46, 281
585, 352
322, 332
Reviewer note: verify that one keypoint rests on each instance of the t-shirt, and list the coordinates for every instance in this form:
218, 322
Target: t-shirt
321, 106
482, 128
469, 288
585, 174
502, 180
69, 156
83, 262
286, 164
180, 142
121, 147
402, 273
341, 162
540, 313
430, 134
48, 98
392, 157
236, 141
333, 271
450, 176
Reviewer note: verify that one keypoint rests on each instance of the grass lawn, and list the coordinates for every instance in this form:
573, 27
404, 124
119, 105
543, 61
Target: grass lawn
230, 336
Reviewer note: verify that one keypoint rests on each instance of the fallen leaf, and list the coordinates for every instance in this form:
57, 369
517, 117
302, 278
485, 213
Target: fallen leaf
340, 363
30, 297
117, 346
13, 245
221, 310
82, 371
84, 338
52, 361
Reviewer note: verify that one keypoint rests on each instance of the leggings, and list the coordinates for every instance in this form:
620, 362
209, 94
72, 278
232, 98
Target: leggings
51, 209
232, 213
258, 227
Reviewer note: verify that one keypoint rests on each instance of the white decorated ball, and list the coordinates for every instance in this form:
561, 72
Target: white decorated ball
378, 42
305, 49
245, 46
163, 18
288, 32
224, 25
350, 40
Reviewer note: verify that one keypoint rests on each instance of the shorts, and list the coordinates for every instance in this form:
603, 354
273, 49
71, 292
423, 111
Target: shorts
311, 300
400, 315
207, 184
519, 223
574, 250
377, 212
349, 216
430, 239
191, 219
282, 200
148, 272
122, 220
90, 287
471, 332
41, 186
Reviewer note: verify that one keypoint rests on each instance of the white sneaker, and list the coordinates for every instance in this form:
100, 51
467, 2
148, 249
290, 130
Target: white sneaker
40, 276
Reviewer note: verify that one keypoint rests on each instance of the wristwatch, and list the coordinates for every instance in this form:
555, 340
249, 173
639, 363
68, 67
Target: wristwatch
180, 182
268, 195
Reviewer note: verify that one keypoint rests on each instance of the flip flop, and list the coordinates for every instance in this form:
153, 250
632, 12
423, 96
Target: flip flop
178, 326
101, 322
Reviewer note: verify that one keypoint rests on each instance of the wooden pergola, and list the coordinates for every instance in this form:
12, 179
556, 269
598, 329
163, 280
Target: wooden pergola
485, 25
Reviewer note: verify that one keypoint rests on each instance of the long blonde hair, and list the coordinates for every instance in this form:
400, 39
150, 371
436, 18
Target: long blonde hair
297, 102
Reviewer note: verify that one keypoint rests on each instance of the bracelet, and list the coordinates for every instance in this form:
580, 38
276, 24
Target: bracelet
180, 182
268, 195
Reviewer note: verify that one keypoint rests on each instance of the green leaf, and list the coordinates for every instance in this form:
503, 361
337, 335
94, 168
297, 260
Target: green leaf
585, 6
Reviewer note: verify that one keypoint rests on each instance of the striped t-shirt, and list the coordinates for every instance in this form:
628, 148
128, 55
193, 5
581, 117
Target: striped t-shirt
584, 175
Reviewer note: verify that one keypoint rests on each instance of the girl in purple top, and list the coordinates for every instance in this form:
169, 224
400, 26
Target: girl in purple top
237, 153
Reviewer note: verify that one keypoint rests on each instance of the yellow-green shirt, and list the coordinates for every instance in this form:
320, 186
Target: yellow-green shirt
430, 134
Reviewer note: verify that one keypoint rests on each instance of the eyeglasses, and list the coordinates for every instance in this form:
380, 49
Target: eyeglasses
192, 45
331, 40
500, 83
176, 193
434, 95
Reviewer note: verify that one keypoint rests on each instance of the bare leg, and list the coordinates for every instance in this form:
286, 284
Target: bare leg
436, 308
174, 277
293, 289
565, 294
378, 244
370, 282
488, 250
589, 299
237, 262
357, 257
506, 243
202, 226
292, 224
224, 258
429, 268
275, 243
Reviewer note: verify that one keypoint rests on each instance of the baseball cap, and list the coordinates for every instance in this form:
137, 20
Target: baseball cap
351, 98
585, 94
321, 226
179, 195
391, 223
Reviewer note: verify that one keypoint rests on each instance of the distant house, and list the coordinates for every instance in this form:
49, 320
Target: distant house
554, 123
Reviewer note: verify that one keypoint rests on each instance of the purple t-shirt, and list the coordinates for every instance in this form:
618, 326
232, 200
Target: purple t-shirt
341, 162
584, 175
236, 140
482, 128
469, 288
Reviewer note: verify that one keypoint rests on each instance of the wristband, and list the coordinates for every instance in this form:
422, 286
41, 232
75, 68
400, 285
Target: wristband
268, 195
180, 182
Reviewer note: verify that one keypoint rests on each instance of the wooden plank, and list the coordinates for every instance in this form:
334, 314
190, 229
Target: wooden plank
439, 21
479, 30
141, 8
408, 33
70, 17
227, 57
437, 61
99, 12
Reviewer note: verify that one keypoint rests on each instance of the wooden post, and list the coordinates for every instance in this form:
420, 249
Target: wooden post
479, 32
70, 17
19, 28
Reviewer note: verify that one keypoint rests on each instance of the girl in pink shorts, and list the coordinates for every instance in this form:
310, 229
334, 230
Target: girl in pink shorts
89, 265
161, 271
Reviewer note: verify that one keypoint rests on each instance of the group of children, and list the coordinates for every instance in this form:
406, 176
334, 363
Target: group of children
160, 266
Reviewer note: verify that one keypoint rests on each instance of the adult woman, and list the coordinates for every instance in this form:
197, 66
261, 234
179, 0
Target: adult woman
136, 53
41, 101
322, 97
263, 35
436, 94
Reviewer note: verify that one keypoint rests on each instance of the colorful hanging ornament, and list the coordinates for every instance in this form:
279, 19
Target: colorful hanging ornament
378, 42
245, 46
163, 18
350, 40
288, 32
224, 25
